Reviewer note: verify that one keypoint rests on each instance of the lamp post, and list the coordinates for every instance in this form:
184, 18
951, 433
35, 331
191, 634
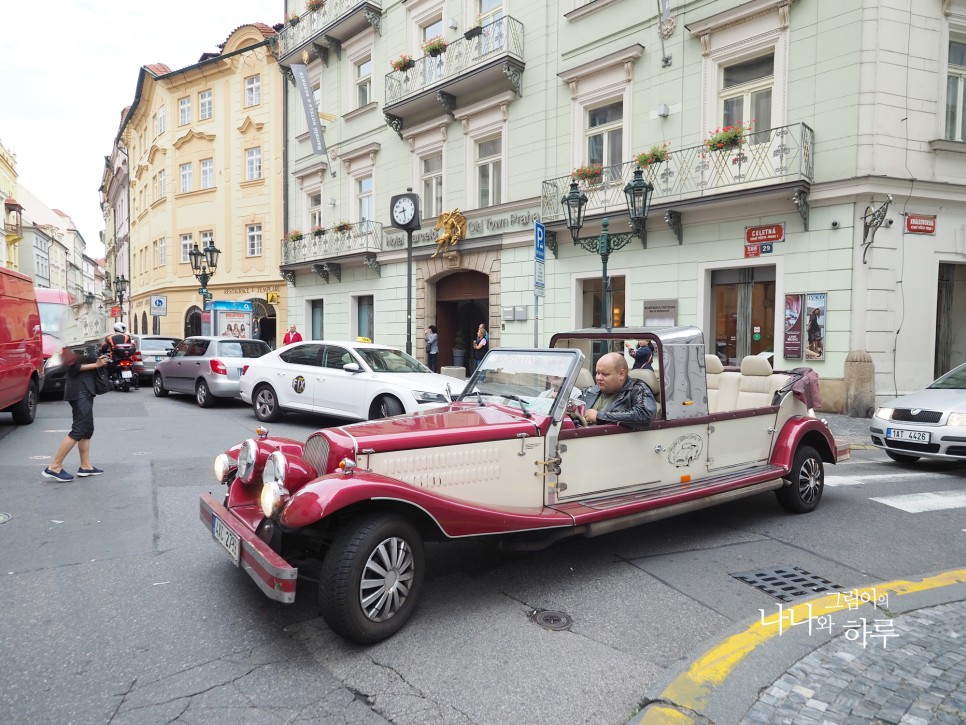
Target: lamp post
638, 195
204, 264
120, 284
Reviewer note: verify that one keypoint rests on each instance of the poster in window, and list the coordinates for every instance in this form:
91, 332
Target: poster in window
816, 307
794, 327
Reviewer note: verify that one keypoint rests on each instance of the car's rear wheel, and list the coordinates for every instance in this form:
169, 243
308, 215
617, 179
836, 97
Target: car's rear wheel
265, 404
902, 457
159, 389
805, 482
203, 394
25, 411
386, 406
372, 577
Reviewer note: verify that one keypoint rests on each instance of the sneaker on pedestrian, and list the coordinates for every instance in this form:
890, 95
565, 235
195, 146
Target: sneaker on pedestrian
61, 475
84, 472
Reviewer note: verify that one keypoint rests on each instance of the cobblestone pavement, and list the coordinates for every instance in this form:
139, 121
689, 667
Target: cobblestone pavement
914, 678
853, 430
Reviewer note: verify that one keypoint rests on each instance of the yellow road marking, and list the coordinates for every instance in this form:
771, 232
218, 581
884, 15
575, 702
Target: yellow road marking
691, 689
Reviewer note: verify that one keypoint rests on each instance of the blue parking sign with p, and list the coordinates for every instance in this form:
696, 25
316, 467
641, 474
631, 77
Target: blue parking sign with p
539, 241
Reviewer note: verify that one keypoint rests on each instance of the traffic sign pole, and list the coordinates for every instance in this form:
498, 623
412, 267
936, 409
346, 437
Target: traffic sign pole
539, 257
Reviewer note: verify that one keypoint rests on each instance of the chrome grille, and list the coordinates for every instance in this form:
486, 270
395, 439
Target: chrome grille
317, 452
921, 416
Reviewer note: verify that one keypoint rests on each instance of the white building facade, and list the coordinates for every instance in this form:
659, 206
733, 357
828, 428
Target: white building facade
836, 226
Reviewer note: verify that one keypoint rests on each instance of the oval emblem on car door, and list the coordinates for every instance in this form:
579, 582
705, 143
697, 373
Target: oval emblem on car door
298, 385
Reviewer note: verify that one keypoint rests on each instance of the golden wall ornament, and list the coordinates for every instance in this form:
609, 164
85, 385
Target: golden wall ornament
453, 226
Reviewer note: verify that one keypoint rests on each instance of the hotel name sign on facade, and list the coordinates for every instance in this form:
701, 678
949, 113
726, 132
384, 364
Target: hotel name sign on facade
480, 226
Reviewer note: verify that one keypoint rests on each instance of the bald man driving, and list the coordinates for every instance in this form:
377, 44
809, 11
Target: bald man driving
617, 397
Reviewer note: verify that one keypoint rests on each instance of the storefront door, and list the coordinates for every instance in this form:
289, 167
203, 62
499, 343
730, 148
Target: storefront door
743, 313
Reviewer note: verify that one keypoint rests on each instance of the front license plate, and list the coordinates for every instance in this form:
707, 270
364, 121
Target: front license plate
900, 434
126, 374
227, 538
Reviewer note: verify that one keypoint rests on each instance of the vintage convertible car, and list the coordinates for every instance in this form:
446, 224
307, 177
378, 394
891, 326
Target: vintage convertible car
509, 460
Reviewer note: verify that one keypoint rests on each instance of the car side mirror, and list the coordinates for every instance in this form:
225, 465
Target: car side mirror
170, 353
352, 368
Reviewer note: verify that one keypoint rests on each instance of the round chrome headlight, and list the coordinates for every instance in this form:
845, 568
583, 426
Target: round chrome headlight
246, 459
275, 468
223, 466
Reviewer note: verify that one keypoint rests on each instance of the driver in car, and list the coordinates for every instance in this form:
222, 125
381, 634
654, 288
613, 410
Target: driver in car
617, 397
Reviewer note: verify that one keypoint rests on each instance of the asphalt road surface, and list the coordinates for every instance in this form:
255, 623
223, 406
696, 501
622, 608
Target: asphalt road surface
119, 607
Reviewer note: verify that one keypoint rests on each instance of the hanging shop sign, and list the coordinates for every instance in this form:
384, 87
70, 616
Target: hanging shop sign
920, 224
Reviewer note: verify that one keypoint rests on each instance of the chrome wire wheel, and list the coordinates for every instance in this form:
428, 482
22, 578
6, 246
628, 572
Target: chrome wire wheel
386, 579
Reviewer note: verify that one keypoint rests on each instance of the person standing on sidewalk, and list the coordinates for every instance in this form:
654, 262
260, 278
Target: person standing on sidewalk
480, 345
79, 391
291, 336
432, 348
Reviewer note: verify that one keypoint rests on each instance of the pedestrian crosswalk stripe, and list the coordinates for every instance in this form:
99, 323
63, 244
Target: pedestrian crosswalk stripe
915, 503
831, 480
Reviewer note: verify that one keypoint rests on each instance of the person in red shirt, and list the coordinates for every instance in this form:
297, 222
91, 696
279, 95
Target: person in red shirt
291, 336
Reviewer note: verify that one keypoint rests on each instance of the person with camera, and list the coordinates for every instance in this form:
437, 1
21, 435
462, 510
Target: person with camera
80, 391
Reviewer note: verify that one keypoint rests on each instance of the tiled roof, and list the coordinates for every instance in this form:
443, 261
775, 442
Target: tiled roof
267, 31
157, 69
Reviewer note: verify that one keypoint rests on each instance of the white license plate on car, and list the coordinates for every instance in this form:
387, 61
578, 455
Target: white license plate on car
227, 538
158, 358
126, 374
900, 434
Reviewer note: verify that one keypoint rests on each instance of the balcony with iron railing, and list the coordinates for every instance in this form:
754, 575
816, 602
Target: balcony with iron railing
326, 29
489, 62
358, 241
778, 156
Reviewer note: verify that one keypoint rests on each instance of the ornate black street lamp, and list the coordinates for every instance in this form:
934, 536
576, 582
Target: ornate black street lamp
638, 195
204, 264
120, 285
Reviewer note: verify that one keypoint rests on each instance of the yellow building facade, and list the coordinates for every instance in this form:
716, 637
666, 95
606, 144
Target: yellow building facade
12, 222
205, 157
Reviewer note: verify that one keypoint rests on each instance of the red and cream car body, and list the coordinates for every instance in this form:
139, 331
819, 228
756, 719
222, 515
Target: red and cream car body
510, 461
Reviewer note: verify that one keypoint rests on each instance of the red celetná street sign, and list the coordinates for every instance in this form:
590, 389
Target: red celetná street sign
768, 233
921, 224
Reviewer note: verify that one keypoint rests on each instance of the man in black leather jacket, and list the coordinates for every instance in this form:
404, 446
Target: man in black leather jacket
618, 398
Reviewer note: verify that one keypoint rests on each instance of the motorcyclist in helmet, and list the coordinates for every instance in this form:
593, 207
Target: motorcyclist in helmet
120, 337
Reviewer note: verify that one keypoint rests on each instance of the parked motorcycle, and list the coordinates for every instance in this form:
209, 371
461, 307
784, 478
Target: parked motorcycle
121, 367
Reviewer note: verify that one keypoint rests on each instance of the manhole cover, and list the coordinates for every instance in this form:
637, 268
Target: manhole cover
786, 582
551, 620
4, 518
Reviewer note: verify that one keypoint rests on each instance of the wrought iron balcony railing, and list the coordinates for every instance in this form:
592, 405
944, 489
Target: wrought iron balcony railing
770, 157
361, 238
292, 37
499, 38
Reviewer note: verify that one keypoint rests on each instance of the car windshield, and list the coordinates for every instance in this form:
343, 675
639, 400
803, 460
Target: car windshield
242, 348
51, 317
532, 379
391, 361
955, 379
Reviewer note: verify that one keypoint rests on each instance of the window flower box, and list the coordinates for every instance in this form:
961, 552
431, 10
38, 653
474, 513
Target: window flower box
318, 231
295, 235
654, 155
728, 138
313, 5
293, 19
403, 62
343, 227
475, 30
434, 46
590, 174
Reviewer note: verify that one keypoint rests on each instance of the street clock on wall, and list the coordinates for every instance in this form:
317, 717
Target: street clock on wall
405, 211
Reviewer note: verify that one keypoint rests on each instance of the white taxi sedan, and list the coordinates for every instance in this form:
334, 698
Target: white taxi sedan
356, 380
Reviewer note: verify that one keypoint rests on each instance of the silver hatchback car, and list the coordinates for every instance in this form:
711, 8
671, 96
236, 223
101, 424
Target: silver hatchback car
153, 349
206, 367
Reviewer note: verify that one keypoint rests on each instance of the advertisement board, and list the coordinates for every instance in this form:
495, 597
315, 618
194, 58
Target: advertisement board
794, 327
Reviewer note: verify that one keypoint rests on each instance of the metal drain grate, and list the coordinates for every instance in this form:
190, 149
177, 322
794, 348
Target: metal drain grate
551, 620
786, 582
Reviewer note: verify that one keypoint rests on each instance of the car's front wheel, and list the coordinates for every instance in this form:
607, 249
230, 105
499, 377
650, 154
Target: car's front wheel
203, 394
386, 406
902, 457
159, 389
372, 577
805, 482
265, 404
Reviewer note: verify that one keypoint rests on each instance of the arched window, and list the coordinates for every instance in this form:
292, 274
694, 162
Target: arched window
192, 321
144, 322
